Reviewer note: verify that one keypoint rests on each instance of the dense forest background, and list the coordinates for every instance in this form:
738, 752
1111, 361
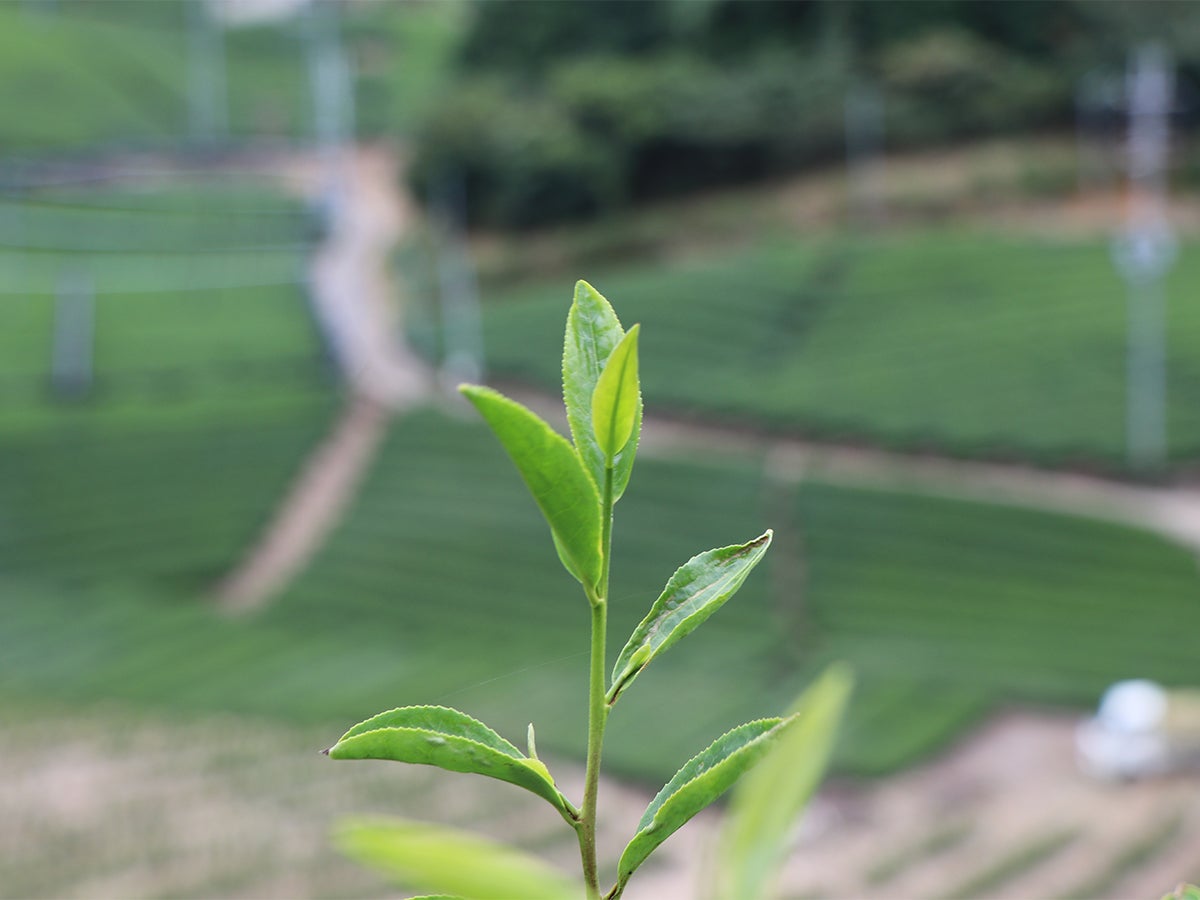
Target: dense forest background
563, 110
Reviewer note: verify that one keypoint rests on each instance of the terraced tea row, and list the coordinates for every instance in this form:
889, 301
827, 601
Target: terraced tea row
436, 589
968, 343
187, 305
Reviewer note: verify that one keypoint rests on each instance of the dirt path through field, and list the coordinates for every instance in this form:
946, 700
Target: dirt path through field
359, 304
311, 509
1173, 512
354, 291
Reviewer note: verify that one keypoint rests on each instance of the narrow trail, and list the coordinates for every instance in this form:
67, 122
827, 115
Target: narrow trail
1172, 512
353, 291
311, 509
357, 302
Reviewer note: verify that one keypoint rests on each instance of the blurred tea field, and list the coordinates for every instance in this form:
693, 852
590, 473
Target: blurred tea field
965, 342
438, 588
165, 747
120, 510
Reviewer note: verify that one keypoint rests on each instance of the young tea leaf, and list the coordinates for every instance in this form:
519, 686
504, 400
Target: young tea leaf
448, 739
767, 801
554, 474
617, 398
593, 333
697, 590
450, 862
701, 781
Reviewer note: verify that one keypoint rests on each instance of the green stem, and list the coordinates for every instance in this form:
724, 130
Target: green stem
597, 707
617, 889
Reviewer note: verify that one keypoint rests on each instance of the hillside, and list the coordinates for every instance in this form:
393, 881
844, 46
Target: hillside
967, 341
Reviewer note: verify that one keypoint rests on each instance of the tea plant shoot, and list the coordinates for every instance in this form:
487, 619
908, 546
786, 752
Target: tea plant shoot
576, 484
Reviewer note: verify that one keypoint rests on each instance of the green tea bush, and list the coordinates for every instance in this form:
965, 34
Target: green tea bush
576, 485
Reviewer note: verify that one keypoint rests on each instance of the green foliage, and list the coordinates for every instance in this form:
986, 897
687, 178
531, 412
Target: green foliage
697, 590
602, 395
617, 400
556, 478
84, 82
684, 96
949, 83
601, 132
768, 800
404, 54
946, 608
702, 780
92, 75
525, 167
199, 310
448, 739
593, 334
426, 855
209, 381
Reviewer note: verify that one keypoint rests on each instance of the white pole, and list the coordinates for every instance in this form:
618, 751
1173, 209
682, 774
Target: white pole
458, 293
1144, 253
74, 335
864, 125
208, 96
332, 92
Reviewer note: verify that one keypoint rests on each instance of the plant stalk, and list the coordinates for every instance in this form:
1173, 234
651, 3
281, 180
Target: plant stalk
597, 707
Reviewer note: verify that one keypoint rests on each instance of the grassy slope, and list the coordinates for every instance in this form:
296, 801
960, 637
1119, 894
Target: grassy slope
94, 74
967, 342
441, 587
209, 385
75, 82
199, 310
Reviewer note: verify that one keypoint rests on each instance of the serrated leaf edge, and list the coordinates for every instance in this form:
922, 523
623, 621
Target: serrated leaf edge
623, 461
649, 822
628, 347
617, 687
655, 805
572, 565
353, 732
558, 801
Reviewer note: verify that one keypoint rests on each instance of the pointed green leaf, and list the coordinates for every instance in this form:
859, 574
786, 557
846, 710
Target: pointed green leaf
617, 397
766, 802
593, 333
448, 739
554, 474
697, 590
449, 861
701, 781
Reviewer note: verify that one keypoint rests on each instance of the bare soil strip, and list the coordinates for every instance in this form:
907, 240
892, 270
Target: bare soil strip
1172, 512
311, 509
114, 804
358, 304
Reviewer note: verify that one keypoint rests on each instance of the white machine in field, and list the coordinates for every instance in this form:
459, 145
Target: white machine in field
1141, 729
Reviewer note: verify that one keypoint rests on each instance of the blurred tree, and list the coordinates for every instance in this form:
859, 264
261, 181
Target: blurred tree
642, 99
531, 35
